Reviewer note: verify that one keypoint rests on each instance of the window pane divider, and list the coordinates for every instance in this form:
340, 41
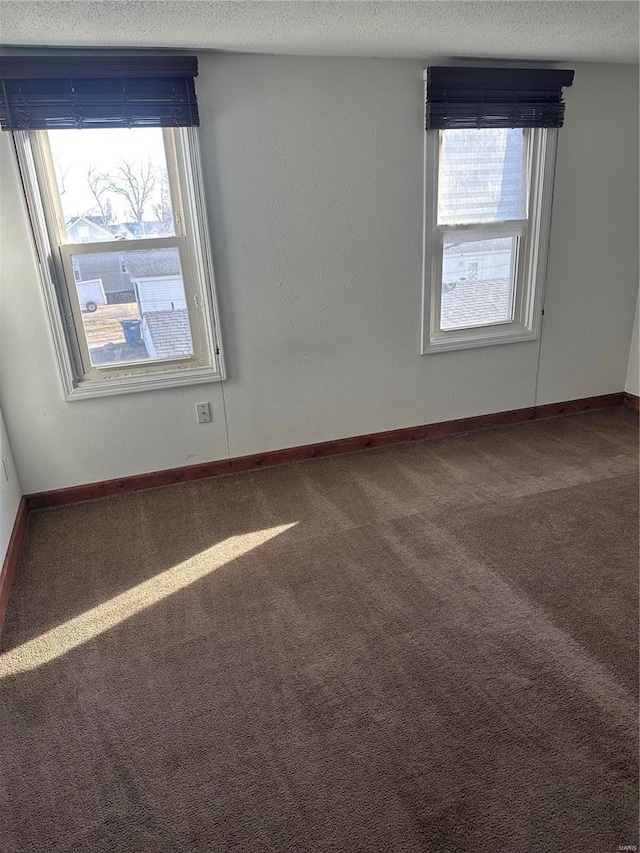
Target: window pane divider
507, 227
121, 246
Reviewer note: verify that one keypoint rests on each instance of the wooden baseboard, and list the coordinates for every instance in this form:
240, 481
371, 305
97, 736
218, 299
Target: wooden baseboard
631, 401
11, 558
89, 491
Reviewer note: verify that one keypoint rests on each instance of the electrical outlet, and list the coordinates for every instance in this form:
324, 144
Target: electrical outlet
203, 413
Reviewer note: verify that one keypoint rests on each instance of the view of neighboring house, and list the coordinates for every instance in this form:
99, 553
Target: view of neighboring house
93, 229
477, 261
85, 230
150, 278
157, 279
477, 287
109, 267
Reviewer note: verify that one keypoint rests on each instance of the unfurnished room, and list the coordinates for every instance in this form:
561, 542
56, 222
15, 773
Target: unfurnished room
319, 390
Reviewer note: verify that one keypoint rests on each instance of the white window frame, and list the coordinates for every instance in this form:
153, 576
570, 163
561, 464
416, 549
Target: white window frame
530, 260
54, 253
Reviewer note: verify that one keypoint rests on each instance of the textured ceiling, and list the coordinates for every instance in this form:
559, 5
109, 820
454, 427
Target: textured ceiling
567, 30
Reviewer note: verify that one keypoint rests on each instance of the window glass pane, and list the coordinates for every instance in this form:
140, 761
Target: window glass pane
133, 305
113, 184
477, 282
482, 176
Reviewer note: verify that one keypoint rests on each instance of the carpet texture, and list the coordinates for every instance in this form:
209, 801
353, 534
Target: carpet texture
429, 647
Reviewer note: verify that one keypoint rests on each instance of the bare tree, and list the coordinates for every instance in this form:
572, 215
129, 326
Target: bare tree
135, 184
161, 206
99, 186
63, 171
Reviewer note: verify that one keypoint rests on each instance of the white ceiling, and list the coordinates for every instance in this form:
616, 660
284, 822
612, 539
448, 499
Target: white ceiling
560, 30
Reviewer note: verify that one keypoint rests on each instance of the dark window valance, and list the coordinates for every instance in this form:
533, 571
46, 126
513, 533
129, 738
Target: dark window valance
56, 92
495, 97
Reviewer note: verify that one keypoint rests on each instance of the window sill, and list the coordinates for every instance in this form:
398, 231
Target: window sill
91, 388
481, 337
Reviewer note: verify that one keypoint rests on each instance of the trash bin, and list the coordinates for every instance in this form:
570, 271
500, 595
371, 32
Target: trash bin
131, 331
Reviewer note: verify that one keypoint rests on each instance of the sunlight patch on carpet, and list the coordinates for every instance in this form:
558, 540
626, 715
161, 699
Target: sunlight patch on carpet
90, 624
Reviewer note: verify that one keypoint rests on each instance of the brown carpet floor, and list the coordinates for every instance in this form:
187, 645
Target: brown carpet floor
430, 647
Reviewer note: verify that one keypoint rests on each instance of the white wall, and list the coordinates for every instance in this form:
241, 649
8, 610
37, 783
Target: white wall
632, 384
10, 492
594, 244
313, 172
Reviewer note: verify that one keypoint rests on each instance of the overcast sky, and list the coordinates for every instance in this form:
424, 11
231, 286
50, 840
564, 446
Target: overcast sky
77, 150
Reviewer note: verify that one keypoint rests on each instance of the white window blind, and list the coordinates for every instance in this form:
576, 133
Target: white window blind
483, 176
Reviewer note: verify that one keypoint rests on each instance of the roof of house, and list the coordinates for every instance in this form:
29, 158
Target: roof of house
88, 221
476, 303
112, 231
153, 263
170, 332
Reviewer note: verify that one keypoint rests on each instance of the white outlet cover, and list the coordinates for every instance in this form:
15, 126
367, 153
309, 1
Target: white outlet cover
203, 413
